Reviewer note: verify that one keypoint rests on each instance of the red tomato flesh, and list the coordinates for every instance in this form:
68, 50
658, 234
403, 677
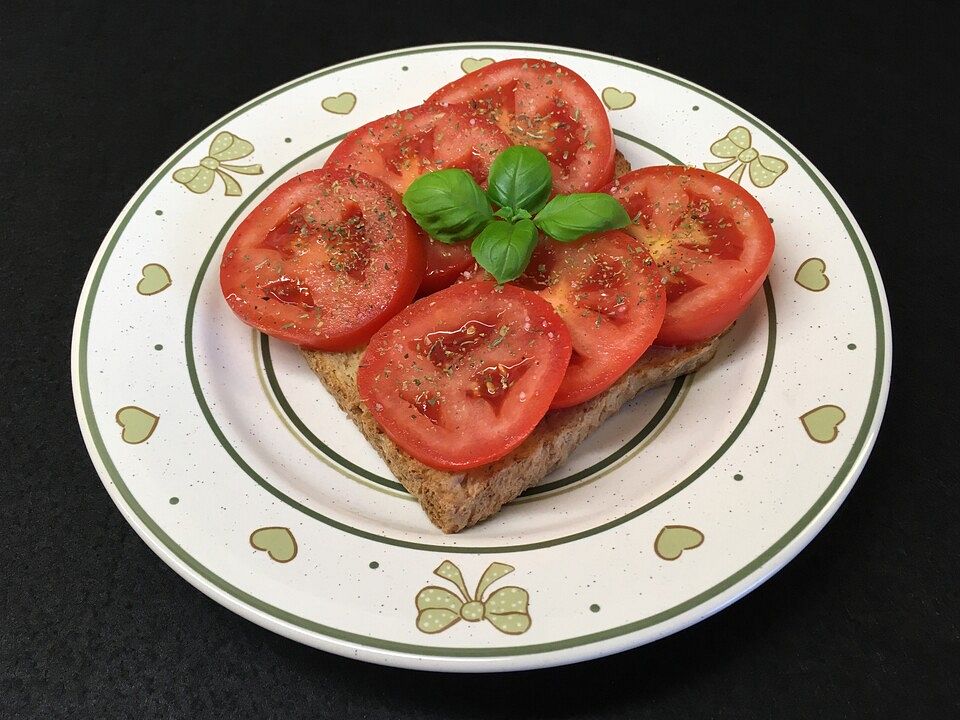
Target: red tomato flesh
607, 290
546, 106
461, 377
711, 239
398, 148
323, 261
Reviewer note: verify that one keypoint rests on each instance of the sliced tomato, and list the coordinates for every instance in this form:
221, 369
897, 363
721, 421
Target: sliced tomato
445, 263
323, 261
546, 106
461, 377
399, 148
607, 289
711, 239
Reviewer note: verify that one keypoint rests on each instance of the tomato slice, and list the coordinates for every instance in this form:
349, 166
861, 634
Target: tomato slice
546, 106
323, 261
711, 239
461, 377
398, 148
607, 289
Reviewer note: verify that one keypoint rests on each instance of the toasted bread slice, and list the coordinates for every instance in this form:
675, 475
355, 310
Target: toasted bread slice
621, 166
456, 500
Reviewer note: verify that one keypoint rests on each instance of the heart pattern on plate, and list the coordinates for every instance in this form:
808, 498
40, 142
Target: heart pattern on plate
138, 424
155, 279
821, 423
812, 275
470, 64
672, 540
617, 99
277, 542
342, 104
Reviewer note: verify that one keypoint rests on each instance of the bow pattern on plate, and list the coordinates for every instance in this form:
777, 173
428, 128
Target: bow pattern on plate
735, 147
505, 609
225, 146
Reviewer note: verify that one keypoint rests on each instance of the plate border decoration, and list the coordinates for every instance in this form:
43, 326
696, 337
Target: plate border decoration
489, 658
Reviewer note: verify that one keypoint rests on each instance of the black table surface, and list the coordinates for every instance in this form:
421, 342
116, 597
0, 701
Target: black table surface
863, 623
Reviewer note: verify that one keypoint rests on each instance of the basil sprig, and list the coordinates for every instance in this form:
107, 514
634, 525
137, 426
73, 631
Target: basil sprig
450, 206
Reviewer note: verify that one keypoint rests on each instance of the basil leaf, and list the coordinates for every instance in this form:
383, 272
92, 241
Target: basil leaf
448, 204
520, 178
569, 217
504, 249
505, 212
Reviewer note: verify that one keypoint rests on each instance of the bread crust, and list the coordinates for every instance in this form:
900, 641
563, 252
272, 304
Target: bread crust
456, 500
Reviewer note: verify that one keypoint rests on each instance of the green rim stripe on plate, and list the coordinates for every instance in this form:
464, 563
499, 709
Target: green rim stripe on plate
649, 146
307, 433
682, 386
273, 402
438, 651
431, 547
355, 469
664, 411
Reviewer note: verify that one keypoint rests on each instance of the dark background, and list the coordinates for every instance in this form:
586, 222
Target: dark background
93, 98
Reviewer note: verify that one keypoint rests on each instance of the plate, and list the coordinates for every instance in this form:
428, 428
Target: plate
230, 460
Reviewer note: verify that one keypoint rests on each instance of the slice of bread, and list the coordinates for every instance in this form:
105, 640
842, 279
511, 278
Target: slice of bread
457, 500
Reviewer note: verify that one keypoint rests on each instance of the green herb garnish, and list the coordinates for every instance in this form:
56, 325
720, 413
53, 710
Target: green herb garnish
451, 207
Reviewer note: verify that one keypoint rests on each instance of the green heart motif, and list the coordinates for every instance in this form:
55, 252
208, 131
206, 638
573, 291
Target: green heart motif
342, 104
155, 279
811, 275
278, 542
672, 540
617, 100
821, 423
470, 64
138, 424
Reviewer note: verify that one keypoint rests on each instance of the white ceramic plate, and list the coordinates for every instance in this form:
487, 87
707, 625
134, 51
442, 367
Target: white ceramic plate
230, 460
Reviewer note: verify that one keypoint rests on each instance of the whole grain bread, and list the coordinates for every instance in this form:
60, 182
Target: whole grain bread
457, 500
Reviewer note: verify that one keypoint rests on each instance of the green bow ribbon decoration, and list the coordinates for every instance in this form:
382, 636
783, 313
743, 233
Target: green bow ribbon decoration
225, 146
505, 609
736, 146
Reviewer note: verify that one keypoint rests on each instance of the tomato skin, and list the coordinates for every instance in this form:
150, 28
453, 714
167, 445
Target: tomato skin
711, 239
445, 262
398, 148
323, 261
549, 107
607, 289
462, 377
